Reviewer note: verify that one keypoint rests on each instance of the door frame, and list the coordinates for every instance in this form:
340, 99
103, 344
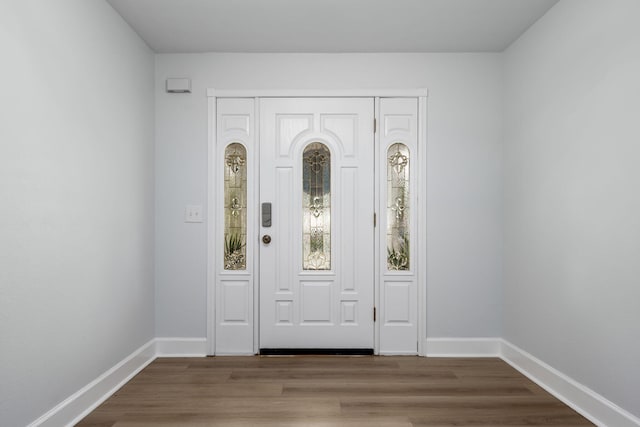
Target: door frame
421, 187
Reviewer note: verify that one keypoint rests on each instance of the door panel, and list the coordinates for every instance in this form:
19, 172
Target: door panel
233, 179
398, 225
316, 274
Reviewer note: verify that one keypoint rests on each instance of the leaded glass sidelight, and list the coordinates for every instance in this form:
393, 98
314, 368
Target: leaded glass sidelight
235, 207
398, 207
316, 207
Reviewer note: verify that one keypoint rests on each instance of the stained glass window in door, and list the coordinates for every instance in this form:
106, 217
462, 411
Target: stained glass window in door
235, 207
316, 207
398, 207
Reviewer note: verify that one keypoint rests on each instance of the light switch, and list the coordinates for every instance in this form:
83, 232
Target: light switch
193, 213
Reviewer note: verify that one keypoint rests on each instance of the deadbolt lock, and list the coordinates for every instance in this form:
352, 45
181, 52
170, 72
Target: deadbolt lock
266, 239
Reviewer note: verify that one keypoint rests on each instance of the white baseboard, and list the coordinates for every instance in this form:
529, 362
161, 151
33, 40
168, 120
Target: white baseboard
181, 347
71, 410
462, 347
580, 398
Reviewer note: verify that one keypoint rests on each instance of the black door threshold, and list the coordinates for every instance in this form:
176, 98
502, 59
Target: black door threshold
316, 351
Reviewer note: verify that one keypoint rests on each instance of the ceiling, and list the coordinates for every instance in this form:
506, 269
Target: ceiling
190, 26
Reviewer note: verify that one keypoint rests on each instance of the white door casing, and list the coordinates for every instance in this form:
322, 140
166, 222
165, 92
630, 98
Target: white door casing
234, 302
307, 308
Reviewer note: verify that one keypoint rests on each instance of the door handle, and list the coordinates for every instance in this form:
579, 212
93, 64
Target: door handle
266, 239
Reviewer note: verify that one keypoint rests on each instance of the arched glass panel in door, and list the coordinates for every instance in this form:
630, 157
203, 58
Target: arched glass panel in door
398, 207
316, 207
235, 207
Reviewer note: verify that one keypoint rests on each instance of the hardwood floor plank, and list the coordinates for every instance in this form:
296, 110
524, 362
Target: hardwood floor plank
542, 419
181, 378
292, 362
297, 422
162, 391
404, 389
341, 374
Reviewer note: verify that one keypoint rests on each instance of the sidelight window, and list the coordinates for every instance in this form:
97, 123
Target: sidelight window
235, 207
398, 207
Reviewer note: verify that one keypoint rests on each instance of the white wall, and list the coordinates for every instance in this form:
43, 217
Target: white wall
572, 196
464, 187
76, 199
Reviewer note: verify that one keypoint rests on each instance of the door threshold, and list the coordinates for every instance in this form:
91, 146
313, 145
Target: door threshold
316, 352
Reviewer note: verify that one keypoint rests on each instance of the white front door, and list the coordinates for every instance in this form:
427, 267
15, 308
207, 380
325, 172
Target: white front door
317, 253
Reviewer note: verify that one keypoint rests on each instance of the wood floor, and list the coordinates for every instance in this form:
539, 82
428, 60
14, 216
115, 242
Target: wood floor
331, 391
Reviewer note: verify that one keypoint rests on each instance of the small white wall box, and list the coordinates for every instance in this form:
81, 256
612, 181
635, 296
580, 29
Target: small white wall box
178, 85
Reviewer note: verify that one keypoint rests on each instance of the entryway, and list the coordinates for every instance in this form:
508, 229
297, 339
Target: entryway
315, 216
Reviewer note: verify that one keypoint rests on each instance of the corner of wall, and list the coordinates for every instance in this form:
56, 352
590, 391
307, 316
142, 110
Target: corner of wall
71, 410
580, 398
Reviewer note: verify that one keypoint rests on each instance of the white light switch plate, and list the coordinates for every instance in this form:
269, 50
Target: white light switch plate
193, 213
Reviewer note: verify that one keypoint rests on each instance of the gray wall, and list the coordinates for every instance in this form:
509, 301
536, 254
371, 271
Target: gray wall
572, 197
464, 174
76, 200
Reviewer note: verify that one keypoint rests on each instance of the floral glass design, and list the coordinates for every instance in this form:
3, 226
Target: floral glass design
235, 207
398, 207
316, 207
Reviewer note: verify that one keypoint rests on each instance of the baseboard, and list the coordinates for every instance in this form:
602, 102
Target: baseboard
81, 403
462, 347
181, 347
580, 398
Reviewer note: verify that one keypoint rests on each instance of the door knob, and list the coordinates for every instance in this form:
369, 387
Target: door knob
266, 239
